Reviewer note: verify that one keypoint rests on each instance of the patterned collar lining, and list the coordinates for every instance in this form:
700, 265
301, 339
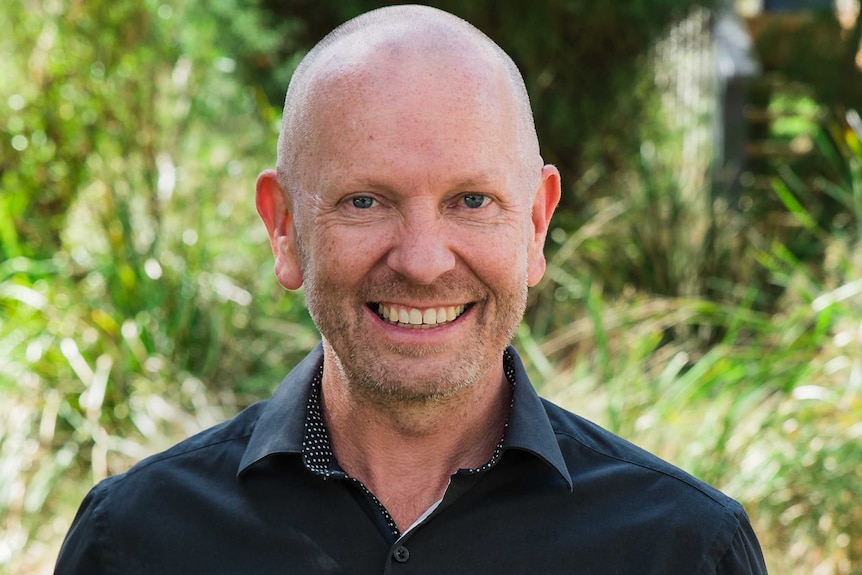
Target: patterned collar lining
317, 450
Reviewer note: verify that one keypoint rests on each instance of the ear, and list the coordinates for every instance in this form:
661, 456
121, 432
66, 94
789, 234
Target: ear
272, 207
544, 203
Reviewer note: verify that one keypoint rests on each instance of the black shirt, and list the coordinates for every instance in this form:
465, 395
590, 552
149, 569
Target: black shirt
262, 494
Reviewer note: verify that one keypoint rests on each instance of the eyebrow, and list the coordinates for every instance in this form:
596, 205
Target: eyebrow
476, 181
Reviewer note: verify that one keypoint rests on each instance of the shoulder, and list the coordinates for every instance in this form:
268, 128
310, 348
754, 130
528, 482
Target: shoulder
209, 457
625, 489
147, 501
581, 438
227, 439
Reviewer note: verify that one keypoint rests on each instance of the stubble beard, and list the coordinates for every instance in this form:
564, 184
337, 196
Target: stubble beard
338, 314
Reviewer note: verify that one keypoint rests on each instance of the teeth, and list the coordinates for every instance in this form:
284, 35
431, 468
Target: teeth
416, 317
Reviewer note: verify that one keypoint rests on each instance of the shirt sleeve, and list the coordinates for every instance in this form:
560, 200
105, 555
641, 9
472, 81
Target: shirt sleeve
85, 547
744, 556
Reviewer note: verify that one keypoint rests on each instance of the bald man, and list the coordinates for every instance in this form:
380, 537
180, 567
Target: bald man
411, 202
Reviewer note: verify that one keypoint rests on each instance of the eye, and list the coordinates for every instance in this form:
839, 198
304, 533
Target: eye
475, 201
362, 202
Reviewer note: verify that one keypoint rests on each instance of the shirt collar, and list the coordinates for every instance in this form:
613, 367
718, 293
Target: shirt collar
529, 428
281, 426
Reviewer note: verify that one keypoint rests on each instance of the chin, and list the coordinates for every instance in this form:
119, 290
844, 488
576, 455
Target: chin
418, 377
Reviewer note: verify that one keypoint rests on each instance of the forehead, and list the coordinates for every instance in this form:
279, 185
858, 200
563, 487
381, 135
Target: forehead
395, 64
428, 107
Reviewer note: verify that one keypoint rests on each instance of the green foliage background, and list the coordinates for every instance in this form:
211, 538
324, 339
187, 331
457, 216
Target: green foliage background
137, 303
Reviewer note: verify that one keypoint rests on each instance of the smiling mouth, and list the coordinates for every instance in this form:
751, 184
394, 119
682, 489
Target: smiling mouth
416, 318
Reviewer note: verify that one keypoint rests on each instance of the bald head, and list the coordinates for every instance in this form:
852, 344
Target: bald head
401, 48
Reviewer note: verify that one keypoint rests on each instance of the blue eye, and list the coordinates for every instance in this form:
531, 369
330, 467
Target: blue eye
475, 200
362, 202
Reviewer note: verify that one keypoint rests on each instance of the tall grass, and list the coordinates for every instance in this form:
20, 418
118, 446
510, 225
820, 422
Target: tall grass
136, 307
768, 406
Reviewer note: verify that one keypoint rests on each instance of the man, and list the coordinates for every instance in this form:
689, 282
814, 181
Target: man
412, 203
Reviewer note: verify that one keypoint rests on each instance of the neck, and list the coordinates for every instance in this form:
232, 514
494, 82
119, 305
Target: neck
405, 451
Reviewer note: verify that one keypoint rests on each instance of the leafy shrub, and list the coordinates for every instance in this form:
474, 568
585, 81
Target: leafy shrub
136, 301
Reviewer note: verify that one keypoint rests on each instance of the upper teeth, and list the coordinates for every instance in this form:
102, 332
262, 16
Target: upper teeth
416, 316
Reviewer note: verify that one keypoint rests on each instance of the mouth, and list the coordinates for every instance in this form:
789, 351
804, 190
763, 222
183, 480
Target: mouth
418, 318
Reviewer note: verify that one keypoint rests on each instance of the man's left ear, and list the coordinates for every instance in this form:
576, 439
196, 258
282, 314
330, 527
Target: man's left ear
544, 203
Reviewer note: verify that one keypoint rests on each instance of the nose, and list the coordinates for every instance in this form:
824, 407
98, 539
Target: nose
422, 250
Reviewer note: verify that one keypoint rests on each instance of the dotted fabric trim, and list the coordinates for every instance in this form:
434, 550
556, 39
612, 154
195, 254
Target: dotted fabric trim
509, 371
317, 450
317, 453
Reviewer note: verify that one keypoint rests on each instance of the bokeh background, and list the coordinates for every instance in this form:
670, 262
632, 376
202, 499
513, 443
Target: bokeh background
704, 287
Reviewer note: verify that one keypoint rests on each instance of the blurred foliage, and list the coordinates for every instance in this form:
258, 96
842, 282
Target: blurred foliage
137, 303
812, 48
809, 70
130, 251
770, 411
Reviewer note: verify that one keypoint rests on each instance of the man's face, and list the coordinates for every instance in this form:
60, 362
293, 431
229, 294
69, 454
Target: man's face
415, 226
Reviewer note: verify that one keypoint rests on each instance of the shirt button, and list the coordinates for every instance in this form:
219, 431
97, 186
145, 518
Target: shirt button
401, 554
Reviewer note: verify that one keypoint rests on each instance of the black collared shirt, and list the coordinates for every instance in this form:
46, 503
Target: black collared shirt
561, 495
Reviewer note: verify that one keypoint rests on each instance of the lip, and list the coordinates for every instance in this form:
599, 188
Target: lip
418, 317
416, 335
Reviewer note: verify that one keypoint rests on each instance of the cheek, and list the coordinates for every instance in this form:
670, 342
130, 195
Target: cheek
500, 258
345, 254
